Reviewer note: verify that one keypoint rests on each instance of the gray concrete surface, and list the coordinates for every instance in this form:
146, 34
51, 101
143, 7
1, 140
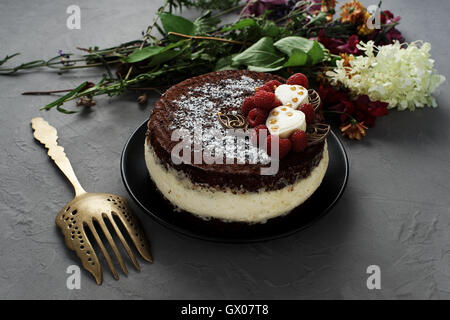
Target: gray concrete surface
395, 212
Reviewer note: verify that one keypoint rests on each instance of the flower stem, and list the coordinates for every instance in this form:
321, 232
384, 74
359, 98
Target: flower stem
90, 65
224, 12
205, 38
246, 6
295, 11
37, 93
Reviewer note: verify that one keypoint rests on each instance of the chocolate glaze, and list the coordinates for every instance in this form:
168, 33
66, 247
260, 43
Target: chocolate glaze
240, 177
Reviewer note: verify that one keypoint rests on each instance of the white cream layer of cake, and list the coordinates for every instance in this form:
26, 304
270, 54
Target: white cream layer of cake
249, 207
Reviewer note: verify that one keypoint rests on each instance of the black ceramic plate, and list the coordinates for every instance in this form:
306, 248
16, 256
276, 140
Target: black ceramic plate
142, 189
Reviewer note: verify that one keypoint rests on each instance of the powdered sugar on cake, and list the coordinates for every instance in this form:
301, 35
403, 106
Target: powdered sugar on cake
197, 112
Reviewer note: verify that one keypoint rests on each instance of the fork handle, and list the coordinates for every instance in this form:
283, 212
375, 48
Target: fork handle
48, 136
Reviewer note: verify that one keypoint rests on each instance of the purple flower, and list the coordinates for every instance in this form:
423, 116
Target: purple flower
257, 7
60, 52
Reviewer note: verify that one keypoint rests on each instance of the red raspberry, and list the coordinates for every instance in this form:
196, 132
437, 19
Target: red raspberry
264, 100
298, 79
265, 88
248, 105
309, 112
284, 146
270, 86
299, 140
256, 116
256, 132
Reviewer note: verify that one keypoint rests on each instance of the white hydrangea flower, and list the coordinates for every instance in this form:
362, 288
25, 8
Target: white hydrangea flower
399, 74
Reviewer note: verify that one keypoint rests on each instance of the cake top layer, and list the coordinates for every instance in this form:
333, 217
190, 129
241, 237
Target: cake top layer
194, 104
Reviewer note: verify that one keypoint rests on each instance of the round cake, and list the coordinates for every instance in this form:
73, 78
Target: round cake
235, 189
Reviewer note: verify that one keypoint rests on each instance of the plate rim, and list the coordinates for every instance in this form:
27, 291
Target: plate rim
195, 235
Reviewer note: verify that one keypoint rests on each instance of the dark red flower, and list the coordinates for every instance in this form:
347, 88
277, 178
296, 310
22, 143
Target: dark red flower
337, 46
362, 109
365, 110
393, 35
350, 46
331, 44
387, 38
385, 16
330, 96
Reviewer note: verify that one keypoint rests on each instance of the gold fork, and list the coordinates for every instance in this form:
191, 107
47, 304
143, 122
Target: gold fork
89, 211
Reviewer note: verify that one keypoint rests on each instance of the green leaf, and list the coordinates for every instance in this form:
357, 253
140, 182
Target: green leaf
270, 29
164, 57
241, 24
197, 54
201, 55
297, 59
170, 52
160, 30
142, 54
147, 52
173, 23
225, 63
89, 90
287, 44
206, 23
276, 65
292, 46
62, 110
318, 19
316, 53
260, 54
59, 102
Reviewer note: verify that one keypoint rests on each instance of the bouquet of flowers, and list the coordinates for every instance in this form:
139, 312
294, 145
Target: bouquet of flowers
358, 60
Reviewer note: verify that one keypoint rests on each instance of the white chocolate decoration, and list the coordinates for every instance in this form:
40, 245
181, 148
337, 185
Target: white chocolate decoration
283, 121
292, 95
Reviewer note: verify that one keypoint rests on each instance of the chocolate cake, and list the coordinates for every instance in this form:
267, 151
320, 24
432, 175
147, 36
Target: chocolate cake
234, 190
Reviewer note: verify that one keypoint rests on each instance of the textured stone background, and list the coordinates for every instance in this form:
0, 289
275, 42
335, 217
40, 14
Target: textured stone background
394, 213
